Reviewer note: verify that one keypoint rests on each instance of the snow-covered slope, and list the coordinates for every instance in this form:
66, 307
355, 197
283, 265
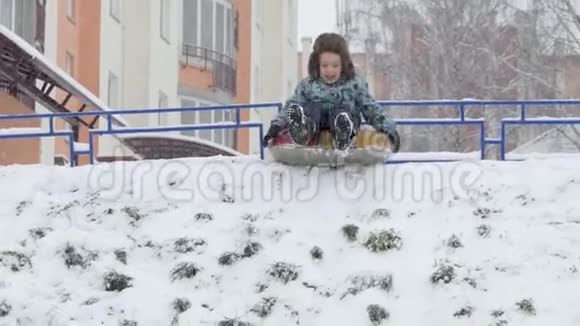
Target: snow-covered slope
220, 241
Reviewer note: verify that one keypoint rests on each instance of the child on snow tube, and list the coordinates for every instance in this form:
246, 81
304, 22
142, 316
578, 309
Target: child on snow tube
331, 98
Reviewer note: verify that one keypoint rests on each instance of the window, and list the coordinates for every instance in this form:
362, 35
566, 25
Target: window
257, 83
228, 134
23, 17
205, 117
218, 116
163, 100
259, 13
163, 103
113, 91
291, 22
60, 160
220, 136
164, 19
219, 28
229, 33
7, 13
190, 21
115, 9
37, 37
69, 64
209, 24
70, 9
188, 118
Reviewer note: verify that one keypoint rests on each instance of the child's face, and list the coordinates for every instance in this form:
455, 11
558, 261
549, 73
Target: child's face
330, 67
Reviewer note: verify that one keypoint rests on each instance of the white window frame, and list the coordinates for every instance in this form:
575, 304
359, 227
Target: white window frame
164, 19
228, 5
113, 90
257, 82
291, 22
12, 15
69, 63
259, 9
70, 9
162, 102
115, 9
229, 48
191, 133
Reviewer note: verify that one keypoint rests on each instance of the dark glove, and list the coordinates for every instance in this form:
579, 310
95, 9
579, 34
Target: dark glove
393, 135
272, 133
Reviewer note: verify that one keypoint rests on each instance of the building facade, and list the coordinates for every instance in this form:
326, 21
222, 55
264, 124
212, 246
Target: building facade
27, 19
273, 61
162, 54
209, 64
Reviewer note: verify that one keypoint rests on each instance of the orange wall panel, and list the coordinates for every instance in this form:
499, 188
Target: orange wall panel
89, 69
23, 150
194, 77
244, 59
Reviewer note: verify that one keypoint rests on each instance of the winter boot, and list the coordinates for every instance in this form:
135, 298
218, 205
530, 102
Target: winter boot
343, 131
298, 124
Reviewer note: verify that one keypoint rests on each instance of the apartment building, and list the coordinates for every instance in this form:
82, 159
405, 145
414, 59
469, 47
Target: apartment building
163, 53
138, 64
211, 57
273, 60
27, 19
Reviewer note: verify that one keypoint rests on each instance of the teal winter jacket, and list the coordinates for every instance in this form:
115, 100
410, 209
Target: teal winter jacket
352, 95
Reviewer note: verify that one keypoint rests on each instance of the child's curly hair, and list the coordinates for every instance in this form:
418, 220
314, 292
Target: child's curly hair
330, 42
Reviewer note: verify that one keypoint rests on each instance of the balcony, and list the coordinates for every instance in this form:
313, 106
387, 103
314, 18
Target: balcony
222, 67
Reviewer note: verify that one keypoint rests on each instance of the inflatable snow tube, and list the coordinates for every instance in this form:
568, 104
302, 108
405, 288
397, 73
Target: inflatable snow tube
369, 147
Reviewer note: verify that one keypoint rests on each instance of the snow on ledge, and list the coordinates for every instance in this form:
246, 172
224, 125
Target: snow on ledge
185, 138
502, 245
100, 105
20, 131
542, 156
80, 147
409, 156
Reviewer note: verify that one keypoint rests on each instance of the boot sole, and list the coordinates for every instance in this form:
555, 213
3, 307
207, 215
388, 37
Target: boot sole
344, 127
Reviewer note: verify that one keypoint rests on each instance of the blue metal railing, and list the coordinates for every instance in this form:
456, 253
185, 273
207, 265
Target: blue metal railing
459, 120
110, 130
532, 121
463, 105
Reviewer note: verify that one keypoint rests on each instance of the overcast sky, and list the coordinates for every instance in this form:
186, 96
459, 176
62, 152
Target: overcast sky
315, 17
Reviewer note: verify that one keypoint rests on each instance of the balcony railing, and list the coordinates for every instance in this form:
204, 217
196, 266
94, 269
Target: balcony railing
222, 66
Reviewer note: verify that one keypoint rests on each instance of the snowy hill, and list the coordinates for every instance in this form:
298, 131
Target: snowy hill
220, 241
